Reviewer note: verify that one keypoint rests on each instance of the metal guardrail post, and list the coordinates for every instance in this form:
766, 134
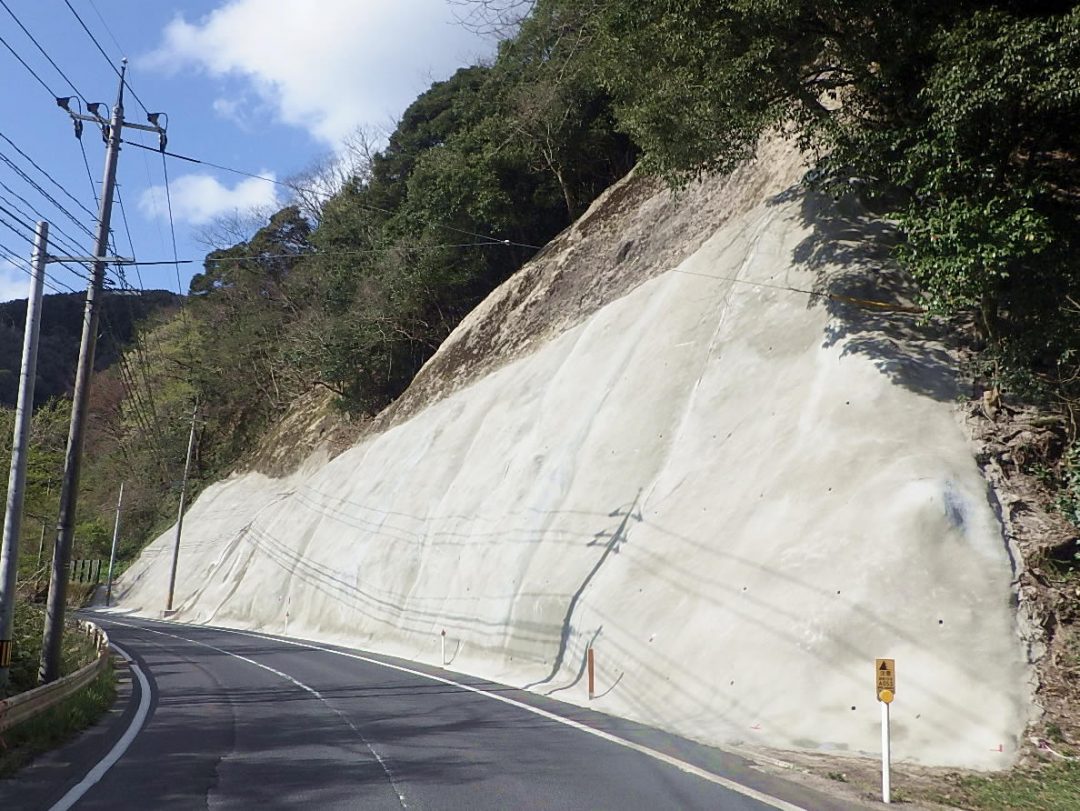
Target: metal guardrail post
24, 706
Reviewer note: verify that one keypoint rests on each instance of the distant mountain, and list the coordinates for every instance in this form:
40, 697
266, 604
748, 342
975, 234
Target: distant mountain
61, 329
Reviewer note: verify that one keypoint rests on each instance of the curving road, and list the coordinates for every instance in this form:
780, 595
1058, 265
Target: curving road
223, 719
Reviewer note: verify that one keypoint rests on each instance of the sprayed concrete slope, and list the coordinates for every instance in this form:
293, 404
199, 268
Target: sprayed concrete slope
739, 495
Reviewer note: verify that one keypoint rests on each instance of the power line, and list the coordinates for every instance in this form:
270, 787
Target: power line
36, 212
838, 297
21, 264
294, 187
43, 51
42, 192
127, 229
172, 229
53, 180
33, 72
65, 240
304, 255
108, 30
20, 221
89, 174
94, 39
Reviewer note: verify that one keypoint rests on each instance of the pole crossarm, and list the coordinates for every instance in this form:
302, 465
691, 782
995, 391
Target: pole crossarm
79, 260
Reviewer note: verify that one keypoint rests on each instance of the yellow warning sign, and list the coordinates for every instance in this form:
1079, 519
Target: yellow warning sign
5, 652
885, 678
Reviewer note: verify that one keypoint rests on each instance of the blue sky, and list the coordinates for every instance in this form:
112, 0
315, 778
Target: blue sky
265, 86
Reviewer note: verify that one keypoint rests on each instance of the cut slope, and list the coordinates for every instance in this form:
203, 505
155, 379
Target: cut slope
740, 497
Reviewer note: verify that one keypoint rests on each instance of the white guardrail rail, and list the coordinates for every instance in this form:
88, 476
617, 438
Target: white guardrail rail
24, 706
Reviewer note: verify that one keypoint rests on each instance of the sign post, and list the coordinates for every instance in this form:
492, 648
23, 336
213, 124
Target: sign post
885, 681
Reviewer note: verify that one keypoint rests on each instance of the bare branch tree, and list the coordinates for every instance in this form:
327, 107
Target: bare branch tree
498, 19
227, 230
325, 177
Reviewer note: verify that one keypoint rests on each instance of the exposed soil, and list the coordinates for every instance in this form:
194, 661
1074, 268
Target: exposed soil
1017, 446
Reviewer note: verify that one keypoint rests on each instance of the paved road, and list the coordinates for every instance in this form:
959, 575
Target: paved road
232, 720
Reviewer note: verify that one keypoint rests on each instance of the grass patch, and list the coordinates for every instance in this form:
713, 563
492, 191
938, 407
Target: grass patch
1054, 787
22, 743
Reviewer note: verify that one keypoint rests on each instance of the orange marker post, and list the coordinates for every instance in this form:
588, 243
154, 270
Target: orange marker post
592, 673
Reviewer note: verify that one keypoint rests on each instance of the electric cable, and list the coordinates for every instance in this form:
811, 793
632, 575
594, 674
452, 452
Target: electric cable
172, 232
295, 187
127, 229
21, 264
37, 187
33, 72
306, 254
89, 174
105, 25
94, 39
51, 179
44, 53
57, 235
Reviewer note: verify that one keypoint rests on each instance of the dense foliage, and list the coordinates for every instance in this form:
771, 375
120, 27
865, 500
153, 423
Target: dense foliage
61, 329
481, 170
959, 120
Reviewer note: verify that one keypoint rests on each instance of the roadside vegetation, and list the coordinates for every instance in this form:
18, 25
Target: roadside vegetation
29, 627
57, 724
22, 743
1055, 787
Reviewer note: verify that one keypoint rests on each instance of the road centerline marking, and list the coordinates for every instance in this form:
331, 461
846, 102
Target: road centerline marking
307, 688
682, 765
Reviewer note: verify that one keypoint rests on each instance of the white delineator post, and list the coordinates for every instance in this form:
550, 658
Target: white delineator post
442, 637
886, 754
885, 682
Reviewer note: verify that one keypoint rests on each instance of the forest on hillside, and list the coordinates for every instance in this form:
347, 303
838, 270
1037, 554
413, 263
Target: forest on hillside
61, 330
958, 121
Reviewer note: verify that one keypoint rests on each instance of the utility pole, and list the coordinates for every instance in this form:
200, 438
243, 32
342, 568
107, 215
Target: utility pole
54, 612
180, 516
41, 543
112, 552
20, 448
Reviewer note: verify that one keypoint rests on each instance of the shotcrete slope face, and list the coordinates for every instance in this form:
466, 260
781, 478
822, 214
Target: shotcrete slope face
737, 494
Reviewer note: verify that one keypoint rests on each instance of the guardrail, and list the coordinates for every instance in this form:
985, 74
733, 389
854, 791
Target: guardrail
24, 706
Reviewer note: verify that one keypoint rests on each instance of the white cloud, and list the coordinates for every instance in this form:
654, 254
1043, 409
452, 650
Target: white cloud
14, 284
197, 199
328, 66
231, 110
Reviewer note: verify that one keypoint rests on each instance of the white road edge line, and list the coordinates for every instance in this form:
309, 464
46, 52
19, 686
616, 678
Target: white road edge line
682, 765
311, 690
76, 792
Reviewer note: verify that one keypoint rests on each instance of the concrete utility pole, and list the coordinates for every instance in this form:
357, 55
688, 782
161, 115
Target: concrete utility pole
112, 552
41, 543
180, 516
20, 447
54, 612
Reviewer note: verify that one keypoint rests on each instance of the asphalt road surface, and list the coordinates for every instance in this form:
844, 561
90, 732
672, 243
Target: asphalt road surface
221, 719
